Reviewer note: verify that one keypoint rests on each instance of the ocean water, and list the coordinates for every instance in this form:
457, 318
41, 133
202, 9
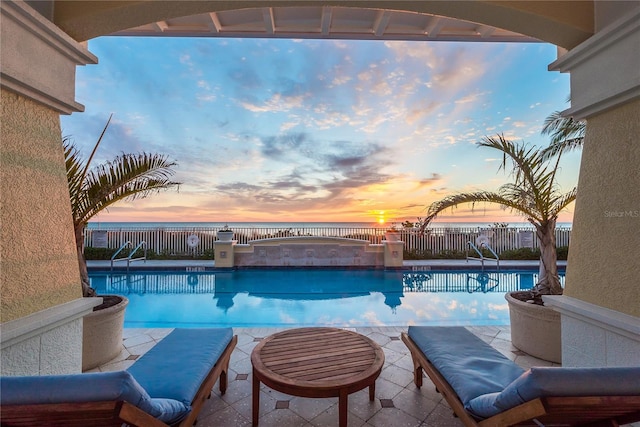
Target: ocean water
286, 225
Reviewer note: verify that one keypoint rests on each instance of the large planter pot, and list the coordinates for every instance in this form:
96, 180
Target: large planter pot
225, 236
102, 334
535, 329
392, 236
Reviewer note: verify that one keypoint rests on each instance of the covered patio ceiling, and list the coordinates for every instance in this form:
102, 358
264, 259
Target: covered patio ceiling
325, 22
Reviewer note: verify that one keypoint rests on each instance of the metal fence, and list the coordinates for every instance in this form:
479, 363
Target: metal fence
470, 282
175, 240
128, 284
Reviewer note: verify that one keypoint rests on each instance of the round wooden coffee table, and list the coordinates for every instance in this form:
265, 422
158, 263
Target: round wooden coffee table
316, 362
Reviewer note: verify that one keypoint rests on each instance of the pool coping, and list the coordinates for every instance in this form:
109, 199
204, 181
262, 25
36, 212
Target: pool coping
196, 266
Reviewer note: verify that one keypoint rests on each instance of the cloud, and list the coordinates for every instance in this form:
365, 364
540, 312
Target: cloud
439, 139
314, 127
340, 80
206, 97
275, 147
288, 125
316, 174
276, 103
434, 178
205, 94
471, 98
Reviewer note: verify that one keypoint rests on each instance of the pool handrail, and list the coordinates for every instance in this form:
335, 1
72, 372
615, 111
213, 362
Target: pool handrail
129, 258
481, 257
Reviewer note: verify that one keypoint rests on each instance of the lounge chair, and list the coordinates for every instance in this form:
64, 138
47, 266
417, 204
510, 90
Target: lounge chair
166, 386
484, 388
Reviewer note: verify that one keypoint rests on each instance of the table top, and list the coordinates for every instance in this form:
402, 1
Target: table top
316, 362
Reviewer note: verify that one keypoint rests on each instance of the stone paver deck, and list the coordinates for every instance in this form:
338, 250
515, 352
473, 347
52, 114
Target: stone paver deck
398, 402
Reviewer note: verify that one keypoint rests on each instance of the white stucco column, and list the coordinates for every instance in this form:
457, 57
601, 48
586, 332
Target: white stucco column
600, 307
42, 304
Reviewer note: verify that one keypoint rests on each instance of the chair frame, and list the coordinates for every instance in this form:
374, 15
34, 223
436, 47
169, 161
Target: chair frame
113, 413
590, 411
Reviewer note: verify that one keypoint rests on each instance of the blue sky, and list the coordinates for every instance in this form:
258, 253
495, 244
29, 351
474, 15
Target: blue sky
315, 130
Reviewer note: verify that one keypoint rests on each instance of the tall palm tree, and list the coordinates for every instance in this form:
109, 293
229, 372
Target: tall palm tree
533, 193
128, 176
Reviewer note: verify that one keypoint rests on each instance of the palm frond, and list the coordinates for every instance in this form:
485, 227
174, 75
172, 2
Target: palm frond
561, 202
556, 148
476, 197
566, 134
75, 166
531, 173
524, 160
95, 148
128, 176
534, 192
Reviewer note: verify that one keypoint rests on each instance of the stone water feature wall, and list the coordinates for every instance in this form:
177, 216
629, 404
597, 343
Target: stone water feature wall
306, 251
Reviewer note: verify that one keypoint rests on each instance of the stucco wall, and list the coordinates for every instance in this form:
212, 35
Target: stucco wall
604, 256
38, 261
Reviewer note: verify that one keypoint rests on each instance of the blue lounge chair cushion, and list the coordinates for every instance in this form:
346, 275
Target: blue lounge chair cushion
176, 366
472, 367
90, 387
554, 381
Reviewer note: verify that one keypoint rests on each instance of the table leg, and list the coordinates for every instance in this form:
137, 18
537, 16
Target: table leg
372, 391
343, 406
255, 399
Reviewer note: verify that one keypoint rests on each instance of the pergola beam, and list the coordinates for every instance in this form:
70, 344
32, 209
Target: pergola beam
381, 22
269, 21
214, 24
325, 21
434, 26
160, 26
485, 31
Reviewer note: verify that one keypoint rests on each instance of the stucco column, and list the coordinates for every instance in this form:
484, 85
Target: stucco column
224, 253
393, 254
601, 303
41, 297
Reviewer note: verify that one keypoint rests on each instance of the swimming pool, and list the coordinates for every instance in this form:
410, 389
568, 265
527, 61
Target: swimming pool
319, 297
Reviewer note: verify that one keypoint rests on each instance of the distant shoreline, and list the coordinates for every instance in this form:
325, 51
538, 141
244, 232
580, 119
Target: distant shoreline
286, 225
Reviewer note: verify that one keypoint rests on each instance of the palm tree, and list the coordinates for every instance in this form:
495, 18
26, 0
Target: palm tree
533, 193
128, 176
566, 134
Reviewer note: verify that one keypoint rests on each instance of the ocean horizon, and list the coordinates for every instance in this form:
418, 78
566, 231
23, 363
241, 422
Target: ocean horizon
97, 225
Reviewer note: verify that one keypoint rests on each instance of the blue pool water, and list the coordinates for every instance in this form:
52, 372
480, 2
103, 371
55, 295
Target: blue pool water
305, 297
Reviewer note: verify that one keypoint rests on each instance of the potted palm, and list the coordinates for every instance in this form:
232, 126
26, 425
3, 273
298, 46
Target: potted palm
91, 190
535, 329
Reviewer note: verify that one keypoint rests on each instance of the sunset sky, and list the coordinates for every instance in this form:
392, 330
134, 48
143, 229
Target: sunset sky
315, 130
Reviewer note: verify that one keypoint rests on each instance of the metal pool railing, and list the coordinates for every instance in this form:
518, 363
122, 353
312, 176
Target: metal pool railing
175, 240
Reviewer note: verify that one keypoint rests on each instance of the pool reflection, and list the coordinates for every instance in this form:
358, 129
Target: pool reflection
313, 297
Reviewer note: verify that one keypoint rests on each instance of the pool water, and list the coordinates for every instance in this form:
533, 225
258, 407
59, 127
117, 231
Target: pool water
318, 297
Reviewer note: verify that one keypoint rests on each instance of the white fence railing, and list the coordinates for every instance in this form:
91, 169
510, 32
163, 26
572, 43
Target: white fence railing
438, 281
175, 240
